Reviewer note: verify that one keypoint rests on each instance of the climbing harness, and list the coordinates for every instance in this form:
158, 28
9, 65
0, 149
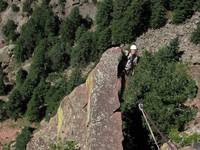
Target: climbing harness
147, 117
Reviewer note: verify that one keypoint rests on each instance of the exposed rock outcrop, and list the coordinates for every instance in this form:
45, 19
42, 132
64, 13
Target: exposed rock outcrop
154, 39
89, 115
87, 8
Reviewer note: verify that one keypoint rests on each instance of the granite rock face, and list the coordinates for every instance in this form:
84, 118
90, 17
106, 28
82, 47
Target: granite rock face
89, 115
154, 39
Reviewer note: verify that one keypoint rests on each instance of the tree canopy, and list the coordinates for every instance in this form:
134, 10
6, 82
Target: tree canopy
41, 24
158, 16
3, 5
23, 138
104, 14
135, 21
9, 30
196, 35
162, 84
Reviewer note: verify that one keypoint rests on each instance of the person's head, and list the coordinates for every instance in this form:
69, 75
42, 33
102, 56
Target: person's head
133, 49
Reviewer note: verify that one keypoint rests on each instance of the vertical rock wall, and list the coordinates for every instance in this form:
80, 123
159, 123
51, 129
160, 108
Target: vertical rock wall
89, 114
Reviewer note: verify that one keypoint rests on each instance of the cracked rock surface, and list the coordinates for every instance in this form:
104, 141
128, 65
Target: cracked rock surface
89, 114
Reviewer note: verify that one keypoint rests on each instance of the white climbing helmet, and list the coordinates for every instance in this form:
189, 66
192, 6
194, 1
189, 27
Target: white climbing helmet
133, 47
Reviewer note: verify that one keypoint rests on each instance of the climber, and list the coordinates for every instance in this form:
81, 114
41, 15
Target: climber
132, 59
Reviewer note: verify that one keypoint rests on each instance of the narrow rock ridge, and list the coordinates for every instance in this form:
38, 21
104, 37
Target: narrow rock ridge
89, 114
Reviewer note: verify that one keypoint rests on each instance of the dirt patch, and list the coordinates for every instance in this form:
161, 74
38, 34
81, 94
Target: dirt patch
8, 132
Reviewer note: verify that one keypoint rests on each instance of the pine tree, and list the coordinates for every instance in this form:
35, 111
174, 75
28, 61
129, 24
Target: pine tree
2, 84
58, 56
3, 5
75, 80
15, 105
37, 71
3, 113
35, 108
81, 30
84, 51
69, 27
23, 138
53, 97
134, 22
41, 24
20, 77
104, 40
104, 14
158, 17
9, 30
196, 35
119, 8
197, 5
182, 11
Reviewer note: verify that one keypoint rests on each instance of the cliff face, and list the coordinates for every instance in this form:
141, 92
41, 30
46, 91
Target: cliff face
89, 114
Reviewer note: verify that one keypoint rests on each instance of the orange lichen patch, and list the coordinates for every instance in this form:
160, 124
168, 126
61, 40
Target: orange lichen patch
8, 132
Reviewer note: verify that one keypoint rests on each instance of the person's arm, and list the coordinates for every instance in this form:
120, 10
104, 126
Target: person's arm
135, 60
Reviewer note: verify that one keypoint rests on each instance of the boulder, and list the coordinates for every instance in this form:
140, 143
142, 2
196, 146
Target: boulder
89, 115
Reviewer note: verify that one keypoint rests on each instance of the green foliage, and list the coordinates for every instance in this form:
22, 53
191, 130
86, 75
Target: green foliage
2, 84
27, 6
104, 13
6, 146
15, 8
23, 138
197, 5
74, 80
35, 108
158, 17
104, 40
135, 21
69, 27
161, 83
53, 97
59, 89
68, 145
3, 113
9, 30
84, 51
3, 5
58, 57
196, 35
183, 139
21, 76
62, 3
41, 24
119, 8
82, 29
183, 10
15, 105
21, 95
37, 71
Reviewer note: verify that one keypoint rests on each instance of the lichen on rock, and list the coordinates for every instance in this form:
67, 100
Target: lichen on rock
88, 115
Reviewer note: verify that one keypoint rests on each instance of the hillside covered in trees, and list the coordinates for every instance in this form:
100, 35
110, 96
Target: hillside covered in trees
60, 49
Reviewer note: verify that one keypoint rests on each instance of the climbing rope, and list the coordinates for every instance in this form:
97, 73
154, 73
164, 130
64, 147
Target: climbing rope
147, 117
